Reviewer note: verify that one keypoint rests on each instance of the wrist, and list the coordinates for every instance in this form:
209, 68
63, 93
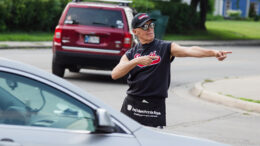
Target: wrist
135, 61
215, 53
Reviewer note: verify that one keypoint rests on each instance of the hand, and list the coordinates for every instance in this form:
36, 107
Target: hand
221, 55
146, 60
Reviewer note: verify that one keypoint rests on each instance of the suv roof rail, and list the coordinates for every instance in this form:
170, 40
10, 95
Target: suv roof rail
121, 2
76, 0
117, 1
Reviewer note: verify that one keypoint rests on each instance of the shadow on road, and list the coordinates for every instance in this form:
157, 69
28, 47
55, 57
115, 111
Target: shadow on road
94, 77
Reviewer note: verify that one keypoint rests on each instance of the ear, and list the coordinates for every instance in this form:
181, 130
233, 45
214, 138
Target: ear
135, 31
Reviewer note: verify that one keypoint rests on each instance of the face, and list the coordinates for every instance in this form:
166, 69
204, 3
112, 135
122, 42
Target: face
145, 33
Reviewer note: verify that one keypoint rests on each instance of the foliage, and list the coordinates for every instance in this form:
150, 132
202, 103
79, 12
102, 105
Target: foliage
179, 16
211, 4
211, 17
4, 8
234, 13
30, 15
252, 12
256, 18
43, 15
143, 5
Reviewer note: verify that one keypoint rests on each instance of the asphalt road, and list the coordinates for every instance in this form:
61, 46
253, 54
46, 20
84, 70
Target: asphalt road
186, 114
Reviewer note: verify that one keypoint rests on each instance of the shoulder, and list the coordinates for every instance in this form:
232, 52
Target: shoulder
131, 52
163, 42
133, 48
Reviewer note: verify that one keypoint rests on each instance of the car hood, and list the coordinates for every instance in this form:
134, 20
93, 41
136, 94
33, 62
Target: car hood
149, 137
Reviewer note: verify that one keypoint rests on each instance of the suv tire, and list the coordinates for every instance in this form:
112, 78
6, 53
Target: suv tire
57, 69
74, 69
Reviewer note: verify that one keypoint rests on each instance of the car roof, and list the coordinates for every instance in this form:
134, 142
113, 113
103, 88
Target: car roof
28, 69
97, 4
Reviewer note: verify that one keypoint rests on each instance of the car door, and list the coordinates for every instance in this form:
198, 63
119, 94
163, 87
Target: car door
37, 112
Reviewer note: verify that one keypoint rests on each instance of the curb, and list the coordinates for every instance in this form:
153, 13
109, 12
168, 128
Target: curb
24, 44
26, 47
200, 92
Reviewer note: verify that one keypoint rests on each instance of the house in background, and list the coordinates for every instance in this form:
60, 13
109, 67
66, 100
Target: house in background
223, 6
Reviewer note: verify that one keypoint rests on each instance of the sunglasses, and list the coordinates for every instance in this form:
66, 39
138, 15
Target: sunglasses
147, 26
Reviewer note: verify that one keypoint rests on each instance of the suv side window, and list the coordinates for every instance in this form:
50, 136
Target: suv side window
95, 17
28, 102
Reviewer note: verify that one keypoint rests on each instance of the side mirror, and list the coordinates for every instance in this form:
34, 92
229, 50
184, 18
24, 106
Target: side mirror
104, 122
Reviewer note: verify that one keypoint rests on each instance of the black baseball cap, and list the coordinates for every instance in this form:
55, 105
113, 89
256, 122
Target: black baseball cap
140, 19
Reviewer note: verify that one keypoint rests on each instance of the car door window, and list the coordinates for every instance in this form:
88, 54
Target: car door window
28, 102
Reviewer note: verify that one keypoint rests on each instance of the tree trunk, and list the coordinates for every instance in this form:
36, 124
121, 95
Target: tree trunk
203, 11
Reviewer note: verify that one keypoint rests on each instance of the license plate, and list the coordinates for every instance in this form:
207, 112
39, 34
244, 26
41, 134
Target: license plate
92, 39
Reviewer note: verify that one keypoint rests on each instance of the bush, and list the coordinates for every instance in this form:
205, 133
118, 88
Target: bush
4, 13
252, 12
181, 17
211, 17
30, 15
234, 14
211, 5
142, 5
256, 18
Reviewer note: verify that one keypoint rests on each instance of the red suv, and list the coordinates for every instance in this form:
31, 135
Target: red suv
91, 35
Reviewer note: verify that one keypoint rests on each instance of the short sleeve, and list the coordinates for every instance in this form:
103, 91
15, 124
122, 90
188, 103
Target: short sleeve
130, 53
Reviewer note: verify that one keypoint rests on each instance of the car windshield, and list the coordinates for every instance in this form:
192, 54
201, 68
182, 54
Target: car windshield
95, 17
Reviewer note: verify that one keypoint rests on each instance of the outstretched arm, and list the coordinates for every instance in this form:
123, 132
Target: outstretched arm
194, 51
124, 66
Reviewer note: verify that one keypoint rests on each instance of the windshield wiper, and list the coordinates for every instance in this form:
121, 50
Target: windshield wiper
104, 24
100, 23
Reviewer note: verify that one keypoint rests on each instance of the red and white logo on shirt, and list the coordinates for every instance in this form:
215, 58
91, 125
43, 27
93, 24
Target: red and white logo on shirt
155, 61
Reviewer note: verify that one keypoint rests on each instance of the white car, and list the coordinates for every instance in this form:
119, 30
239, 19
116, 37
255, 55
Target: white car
41, 109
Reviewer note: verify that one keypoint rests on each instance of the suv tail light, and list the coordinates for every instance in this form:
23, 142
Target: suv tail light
57, 35
127, 40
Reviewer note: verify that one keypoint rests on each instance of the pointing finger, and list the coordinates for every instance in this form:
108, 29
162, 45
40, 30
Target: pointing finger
227, 52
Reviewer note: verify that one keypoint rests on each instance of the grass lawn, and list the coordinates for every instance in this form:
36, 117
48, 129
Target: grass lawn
21, 36
223, 30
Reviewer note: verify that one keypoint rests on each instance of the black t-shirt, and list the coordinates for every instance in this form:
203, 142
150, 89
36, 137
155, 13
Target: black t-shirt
150, 81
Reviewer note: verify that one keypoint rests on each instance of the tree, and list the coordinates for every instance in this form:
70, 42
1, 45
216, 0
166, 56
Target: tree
143, 5
203, 11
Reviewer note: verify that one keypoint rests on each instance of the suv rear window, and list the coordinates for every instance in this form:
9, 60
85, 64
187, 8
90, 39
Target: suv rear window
95, 17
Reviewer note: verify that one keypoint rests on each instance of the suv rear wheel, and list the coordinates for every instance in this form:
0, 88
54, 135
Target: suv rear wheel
57, 69
74, 69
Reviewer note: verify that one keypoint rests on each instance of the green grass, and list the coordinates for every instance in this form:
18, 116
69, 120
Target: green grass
249, 100
22, 36
242, 98
223, 30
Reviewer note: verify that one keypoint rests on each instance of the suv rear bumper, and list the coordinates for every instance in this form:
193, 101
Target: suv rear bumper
88, 61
